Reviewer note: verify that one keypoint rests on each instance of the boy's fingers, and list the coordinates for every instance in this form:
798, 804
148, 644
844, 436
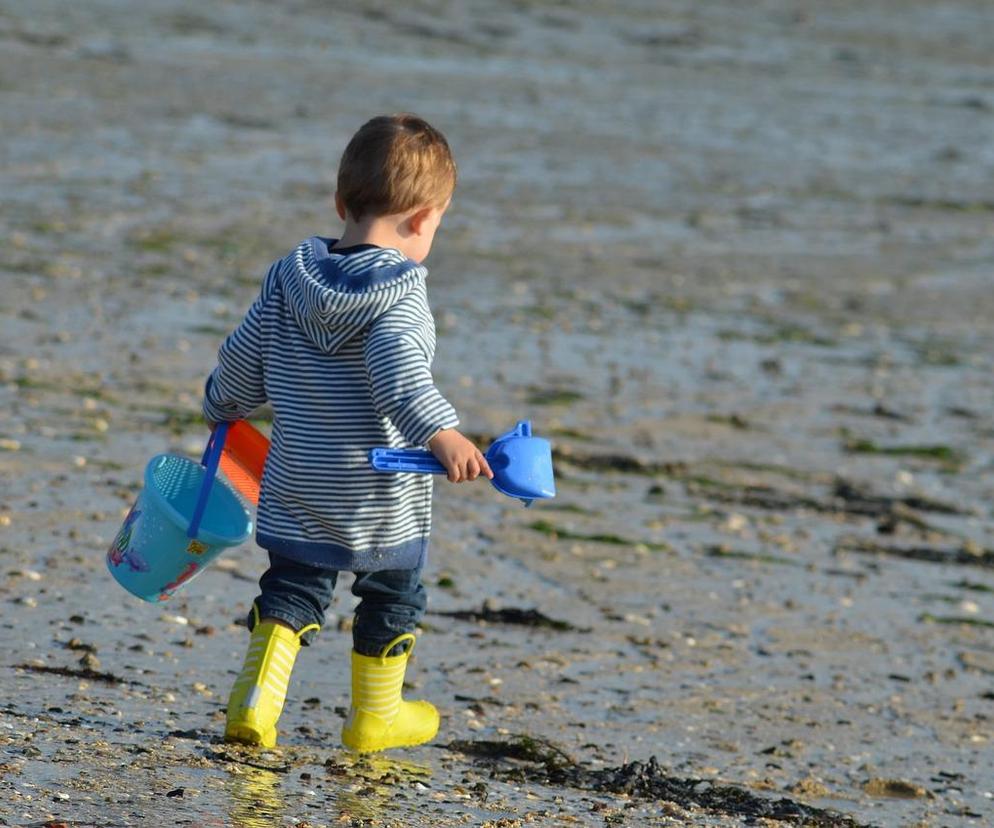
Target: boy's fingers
472, 468
484, 465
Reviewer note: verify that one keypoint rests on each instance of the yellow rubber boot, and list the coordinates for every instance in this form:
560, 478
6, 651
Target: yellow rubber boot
379, 717
259, 692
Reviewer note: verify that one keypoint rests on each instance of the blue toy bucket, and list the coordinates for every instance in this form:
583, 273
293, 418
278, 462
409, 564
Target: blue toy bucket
182, 519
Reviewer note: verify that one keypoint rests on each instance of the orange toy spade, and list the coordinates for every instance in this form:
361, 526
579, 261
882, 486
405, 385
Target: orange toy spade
244, 458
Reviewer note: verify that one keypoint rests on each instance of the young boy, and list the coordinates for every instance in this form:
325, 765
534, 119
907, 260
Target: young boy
340, 343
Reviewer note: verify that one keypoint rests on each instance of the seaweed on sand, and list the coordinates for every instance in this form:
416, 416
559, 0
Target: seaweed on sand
620, 463
861, 502
928, 618
845, 497
547, 528
946, 455
531, 759
553, 396
721, 551
519, 746
510, 615
964, 555
85, 673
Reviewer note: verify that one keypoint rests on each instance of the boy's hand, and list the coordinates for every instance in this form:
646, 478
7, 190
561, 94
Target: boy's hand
462, 460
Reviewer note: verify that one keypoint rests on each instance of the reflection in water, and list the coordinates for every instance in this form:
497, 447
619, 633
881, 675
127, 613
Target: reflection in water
256, 798
369, 784
360, 787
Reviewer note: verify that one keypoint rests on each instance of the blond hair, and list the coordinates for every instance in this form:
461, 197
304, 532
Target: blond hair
395, 163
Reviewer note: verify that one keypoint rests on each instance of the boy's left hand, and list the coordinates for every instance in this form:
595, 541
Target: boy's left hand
462, 460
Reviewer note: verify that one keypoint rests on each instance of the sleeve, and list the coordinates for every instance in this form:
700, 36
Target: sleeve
236, 386
398, 354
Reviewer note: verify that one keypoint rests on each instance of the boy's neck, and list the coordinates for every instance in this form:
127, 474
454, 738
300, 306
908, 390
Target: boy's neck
379, 231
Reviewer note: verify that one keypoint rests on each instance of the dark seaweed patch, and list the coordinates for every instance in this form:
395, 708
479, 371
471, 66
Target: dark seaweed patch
85, 673
572, 508
877, 410
943, 454
733, 420
521, 747
530, 759
510, 615
623, 463
214, 331
553, 396
572, 434
552, 530
972, 586
845, 498
245, 756
181, 420
858, 501
757, 496
928, 618
962, 555
736, 554
955, 205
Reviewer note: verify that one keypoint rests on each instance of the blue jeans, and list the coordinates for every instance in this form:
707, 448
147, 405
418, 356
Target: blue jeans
393, 601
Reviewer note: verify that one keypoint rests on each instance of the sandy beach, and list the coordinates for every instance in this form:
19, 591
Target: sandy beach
735, 260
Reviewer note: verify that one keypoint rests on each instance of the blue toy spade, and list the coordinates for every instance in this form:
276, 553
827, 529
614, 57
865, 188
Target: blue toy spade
521, 463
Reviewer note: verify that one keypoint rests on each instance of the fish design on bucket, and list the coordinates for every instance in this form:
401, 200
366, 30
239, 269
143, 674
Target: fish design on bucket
120, 551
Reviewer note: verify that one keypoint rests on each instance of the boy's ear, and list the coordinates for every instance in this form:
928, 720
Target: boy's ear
418, 218
339, 206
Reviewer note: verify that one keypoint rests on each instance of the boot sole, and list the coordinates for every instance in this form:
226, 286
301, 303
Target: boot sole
245, 735
364, 747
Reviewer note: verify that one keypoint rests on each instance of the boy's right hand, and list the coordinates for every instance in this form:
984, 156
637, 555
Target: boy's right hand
462, 460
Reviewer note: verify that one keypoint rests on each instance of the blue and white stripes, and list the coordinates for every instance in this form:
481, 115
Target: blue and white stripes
341, 345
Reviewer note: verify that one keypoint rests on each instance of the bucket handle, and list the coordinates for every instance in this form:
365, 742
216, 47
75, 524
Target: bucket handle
210, 460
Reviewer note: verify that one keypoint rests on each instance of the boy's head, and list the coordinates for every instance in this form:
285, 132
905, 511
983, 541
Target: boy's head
394, 164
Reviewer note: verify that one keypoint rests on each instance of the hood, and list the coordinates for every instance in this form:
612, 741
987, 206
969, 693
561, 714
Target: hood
333, 295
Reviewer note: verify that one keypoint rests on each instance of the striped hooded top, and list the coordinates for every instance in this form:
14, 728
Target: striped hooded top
340, 343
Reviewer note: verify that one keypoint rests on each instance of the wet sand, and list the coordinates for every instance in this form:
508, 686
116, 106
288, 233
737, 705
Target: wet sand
736, 263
